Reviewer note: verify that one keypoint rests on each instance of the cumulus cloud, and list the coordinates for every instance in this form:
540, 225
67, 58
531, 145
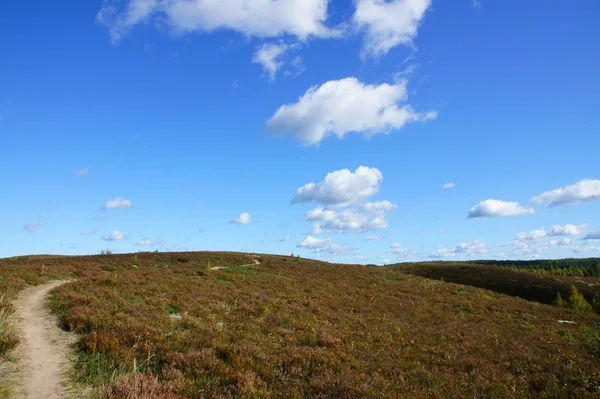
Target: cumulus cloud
373, 238
468, 248
566, 230
117, 203
284, 239
145, 242
260, 18
340, 107
342, 187
380, 206
561, 242
448, 186
443, 253
116, 235
243, 219
350, 190
401, 252
388, 23
88, 232
325, 247
269, 56
496, 208
521, 239
32, 227
82, 172
347, 220
582, 191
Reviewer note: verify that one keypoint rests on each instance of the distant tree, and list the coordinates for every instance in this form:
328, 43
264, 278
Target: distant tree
558, 302
577, 300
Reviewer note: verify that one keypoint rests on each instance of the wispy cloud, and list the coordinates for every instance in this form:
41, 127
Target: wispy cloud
32, 227
117, 203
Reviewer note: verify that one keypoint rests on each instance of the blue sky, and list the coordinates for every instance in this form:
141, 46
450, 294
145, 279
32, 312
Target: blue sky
324, 128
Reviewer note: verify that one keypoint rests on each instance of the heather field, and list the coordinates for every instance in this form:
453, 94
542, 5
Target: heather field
170, 325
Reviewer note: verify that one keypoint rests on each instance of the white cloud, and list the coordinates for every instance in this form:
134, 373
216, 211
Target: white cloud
145, 242
469, 248
116, 235
359, 258
32, 227
355, 220
388, 23
562, 242
448, 186
269, 56
594, 235
284, 239
373, 238
243, 219
542, 233
88, 233
326, 247
260, 18
319, 214
346, 220
316, 229
339, 107
444, 230
402, 253
443, 253
532, 236
117, 203
476, 3
82, 172
566, 230
582, 191
496, 208
380, 206
342, 187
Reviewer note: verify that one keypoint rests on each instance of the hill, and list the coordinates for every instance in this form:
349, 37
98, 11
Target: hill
212, 325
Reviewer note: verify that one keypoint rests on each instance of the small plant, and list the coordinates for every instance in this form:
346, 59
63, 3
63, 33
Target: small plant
577, 301
106, 252
8, 337
558, 302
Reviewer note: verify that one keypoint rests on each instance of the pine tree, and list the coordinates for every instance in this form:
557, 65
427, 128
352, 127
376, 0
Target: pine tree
577, 301
558, 302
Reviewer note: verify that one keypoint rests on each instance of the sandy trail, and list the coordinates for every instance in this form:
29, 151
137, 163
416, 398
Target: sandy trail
256, 262
44, 349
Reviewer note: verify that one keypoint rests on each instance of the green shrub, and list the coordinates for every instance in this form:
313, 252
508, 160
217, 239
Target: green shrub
558, 302
577, 301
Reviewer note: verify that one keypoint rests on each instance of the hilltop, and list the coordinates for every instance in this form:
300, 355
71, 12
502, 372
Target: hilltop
212, 325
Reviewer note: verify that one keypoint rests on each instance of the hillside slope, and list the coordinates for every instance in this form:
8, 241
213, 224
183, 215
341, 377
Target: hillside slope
300, 328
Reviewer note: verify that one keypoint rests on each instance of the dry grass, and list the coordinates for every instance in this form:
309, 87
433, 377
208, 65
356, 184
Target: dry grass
300, 328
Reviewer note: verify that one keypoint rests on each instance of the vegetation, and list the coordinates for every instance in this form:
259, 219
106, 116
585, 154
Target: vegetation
589, 267
172, 328
531, 286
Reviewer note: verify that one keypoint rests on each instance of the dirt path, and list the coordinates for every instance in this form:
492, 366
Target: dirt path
44, 349
255, 260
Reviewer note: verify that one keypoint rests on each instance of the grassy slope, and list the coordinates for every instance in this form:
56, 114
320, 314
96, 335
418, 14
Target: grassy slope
527, 285
301, 328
